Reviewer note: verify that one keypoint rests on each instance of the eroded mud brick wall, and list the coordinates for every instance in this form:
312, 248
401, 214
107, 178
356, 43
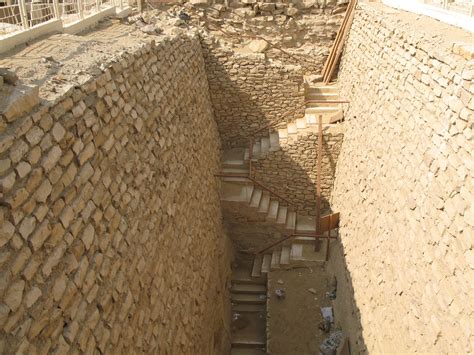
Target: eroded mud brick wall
248, 91
112, 240
292, 170
404, 182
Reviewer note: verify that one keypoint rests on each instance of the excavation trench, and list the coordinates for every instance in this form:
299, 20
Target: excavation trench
118, 237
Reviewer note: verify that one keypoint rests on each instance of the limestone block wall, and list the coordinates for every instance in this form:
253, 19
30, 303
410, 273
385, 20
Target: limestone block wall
248, 91
292, 170
404, 183
111, 237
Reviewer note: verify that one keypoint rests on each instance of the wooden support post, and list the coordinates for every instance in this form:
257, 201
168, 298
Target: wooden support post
23, 14
97, 5
317, 244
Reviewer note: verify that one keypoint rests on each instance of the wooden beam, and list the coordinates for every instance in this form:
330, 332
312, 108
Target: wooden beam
338, 53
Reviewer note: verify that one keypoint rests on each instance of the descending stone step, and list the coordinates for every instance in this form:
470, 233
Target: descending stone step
248, 289
275, 263
249, 330
291, 220
281, 217
236, 170
301, 123
244, 343
322, 89
304, 240
264, 203
256, 197
322, 96
274, 142
327, 117
243, 351
306, 224
273, 210
257, 148
243, 171
285, 255
264, 145
291, 128
248, 298
257, 266
322, 109
244, 276
282, 133
236, 192
266, 263
233, 157
251, 308
296, 251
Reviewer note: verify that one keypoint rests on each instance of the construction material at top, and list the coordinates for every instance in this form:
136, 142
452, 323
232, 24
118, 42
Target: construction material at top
336, 51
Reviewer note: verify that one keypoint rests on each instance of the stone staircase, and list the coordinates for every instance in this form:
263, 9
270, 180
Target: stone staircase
261, 203
331, 112
294, 252
249, 287
248, 298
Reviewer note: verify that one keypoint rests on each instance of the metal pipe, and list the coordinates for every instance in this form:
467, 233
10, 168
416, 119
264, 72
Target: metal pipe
328, 239
318, 178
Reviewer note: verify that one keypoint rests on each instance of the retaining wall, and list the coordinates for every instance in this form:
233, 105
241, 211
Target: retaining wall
404, 184
111, 237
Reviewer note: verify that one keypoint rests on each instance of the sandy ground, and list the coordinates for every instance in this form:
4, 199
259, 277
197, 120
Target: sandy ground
59, 62
292, 323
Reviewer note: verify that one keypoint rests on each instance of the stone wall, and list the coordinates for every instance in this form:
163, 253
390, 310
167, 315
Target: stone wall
292, 170
404, 184
248, 92
111, 237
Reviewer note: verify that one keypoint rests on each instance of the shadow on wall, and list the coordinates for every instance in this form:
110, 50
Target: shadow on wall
347, 314
293, 169
248, 91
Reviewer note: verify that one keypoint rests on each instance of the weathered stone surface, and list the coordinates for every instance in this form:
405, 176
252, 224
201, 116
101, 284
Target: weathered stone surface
93, 229
398, 186
14, 295
258, 46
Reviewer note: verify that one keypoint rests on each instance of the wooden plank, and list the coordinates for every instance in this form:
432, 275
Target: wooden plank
338, 53
339, 40
335, 43
329, 223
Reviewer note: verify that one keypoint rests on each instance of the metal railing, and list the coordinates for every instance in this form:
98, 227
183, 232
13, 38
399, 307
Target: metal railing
465, 7
10, 19
21, 15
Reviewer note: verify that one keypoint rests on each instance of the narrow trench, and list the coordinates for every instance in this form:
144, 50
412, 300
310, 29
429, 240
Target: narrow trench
279, 293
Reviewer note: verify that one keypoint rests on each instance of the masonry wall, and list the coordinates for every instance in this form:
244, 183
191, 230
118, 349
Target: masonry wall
111, 237
404, 184
248, 92
292, 170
